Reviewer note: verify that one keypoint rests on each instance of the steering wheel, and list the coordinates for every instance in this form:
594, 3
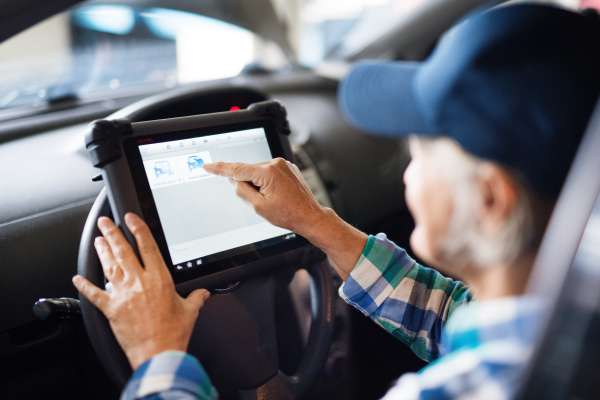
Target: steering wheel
234, 336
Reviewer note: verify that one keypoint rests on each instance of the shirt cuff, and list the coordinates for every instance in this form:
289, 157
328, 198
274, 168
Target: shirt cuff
170, 371
379, 269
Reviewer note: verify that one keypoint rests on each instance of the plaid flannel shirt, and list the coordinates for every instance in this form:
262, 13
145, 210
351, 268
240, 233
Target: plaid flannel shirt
170, 375
485, 345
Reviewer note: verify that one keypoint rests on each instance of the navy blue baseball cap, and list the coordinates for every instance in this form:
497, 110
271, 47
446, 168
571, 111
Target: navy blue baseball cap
515, 85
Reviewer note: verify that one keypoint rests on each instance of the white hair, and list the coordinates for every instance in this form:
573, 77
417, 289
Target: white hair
521, 232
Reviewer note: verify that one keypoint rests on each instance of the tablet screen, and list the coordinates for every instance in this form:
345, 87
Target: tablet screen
201, 217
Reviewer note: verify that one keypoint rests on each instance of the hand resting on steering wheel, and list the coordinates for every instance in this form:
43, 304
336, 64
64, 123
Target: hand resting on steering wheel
145, 312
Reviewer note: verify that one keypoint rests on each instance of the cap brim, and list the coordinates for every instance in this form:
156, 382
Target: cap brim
377, 97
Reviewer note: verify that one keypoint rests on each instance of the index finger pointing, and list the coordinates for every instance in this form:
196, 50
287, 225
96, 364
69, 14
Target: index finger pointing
237, 170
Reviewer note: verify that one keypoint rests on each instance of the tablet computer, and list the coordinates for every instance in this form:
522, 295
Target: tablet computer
154, 169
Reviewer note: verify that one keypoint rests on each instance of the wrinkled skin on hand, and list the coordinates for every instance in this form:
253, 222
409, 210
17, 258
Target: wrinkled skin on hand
275, 190
145, 312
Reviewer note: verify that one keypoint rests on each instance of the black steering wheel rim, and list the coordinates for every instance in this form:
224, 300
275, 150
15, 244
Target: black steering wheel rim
256, 377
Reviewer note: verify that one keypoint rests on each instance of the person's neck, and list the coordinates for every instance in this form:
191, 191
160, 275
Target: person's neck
495, 281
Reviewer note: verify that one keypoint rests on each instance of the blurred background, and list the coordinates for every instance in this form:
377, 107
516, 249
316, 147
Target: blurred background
80, 53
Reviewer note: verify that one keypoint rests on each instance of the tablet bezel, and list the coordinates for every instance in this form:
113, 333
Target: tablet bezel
233, 257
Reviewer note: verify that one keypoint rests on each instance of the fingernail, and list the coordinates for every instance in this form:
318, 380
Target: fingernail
75, 279
206, 295
103, 222
231, 181
130, 219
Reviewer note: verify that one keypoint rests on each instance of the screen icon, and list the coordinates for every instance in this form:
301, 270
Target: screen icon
162, 167
194, 162
191, 166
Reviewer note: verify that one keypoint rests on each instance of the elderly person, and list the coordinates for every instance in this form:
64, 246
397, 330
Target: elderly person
497, 113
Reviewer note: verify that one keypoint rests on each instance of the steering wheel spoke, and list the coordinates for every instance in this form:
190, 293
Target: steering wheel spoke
235, 336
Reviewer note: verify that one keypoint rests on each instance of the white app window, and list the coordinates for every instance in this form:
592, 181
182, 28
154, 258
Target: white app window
163, 172
191, 166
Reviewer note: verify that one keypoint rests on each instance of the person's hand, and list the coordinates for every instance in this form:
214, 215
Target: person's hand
145, 313
276, 191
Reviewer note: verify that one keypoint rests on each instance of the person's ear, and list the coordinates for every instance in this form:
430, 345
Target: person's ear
498, 197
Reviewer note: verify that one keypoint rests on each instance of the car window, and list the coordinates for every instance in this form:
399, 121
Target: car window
333, 28
96, 52
103, 50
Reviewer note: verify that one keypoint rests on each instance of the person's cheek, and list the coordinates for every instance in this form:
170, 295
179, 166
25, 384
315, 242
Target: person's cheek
411, 183
420, 195
413, 195
420, 237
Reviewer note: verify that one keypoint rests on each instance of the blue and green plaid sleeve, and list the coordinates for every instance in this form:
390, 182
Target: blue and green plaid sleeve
410, 301
170, 375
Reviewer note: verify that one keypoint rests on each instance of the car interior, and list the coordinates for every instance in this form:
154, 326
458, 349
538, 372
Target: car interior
66, 63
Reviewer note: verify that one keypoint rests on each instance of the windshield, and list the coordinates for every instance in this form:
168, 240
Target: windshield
96, 52
105, 51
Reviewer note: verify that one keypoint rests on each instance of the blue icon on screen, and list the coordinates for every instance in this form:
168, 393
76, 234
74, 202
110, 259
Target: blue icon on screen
194, 162
162, 167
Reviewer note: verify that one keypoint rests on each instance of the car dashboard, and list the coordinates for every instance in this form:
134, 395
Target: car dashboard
47, 192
